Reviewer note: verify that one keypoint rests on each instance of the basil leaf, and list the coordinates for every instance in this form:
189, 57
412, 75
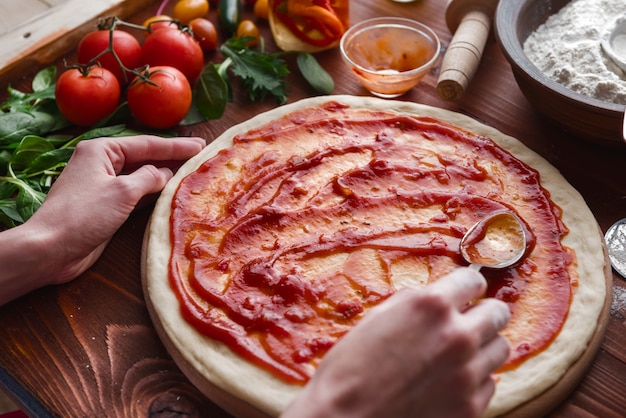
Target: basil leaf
5, 157
28, 200
29, 148
49, 161
44, 79
16, 125
115, 130
314, 74
9, 215
7, 190
211, 93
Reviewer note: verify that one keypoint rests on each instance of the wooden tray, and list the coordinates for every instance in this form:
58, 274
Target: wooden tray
34, 34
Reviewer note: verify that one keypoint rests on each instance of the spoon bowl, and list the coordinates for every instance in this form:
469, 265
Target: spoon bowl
614, 42
496, 241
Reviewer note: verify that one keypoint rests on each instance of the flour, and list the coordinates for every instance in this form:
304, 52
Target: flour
567, 49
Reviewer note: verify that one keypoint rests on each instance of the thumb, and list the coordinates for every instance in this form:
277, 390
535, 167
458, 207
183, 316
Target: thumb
146, 180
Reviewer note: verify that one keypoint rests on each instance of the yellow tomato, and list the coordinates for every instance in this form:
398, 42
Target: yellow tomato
187, 10
261, 8
157, 22
248, 28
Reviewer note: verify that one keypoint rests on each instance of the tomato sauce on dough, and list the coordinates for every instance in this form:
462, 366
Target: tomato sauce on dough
282, 242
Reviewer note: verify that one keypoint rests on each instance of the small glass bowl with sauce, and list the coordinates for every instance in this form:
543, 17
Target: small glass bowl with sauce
390, 55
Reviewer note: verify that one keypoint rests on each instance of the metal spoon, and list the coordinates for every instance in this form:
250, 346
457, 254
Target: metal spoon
496, 242
615, 238
613, 42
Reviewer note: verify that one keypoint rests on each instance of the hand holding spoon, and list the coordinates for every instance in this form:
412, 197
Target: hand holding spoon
496, 241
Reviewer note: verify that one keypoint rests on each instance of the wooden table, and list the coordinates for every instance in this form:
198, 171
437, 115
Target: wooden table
88, 348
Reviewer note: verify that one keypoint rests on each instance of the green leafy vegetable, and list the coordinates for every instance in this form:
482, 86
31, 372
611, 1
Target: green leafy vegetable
260, 73
314, 74
32, 154
211, 95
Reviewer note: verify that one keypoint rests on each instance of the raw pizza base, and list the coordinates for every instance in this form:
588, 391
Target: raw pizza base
246, 390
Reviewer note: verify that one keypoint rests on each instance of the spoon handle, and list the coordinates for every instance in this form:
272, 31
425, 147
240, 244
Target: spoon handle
476, 267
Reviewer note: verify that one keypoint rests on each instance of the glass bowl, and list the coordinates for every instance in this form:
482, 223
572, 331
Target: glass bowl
390, 55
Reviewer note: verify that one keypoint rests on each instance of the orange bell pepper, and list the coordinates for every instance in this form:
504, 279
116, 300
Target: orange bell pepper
313, 21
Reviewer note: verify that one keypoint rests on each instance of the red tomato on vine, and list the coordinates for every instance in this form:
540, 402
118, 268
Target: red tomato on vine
160, 98
175, 48
86, 98
157, 22
205, 33
125, 45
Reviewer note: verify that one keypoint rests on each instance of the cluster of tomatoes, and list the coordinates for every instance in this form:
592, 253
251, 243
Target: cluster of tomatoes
156, 76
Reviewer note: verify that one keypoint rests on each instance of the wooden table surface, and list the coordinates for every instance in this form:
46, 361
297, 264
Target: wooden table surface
88, 348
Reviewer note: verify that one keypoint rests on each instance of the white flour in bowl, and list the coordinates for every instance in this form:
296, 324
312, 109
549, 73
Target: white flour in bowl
567, 49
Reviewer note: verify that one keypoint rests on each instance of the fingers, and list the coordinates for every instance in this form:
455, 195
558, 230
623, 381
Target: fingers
152, 148
130, 152
145, 180
462, 286
487, 318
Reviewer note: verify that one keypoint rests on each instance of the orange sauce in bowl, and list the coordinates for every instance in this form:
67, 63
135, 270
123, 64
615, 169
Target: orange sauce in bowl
389, 58
391, 48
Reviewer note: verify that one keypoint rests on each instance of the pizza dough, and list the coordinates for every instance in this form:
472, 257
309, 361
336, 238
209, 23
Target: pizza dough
246, 390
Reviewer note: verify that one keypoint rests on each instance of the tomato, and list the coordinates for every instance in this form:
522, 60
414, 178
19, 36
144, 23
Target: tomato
162, 100
248, 28
125, 46
187, 10
261, 9
205, 33
85, 99
174, 48
158, 22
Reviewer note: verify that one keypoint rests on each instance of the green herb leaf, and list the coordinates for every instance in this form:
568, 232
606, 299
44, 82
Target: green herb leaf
314, 73
28, 200
49, 161
211, 93
29, 148
115, 130
9, 215
44, 79
16, 125
260, 73
7, 190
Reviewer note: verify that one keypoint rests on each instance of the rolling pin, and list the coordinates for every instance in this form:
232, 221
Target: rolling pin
470, 21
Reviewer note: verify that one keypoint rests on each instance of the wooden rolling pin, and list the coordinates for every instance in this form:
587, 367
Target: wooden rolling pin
470, 21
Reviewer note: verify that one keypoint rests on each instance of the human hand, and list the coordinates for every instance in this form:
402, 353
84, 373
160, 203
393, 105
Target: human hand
103, 182
424, 352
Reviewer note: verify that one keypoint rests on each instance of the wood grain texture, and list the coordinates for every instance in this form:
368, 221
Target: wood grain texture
88, 348
38, 33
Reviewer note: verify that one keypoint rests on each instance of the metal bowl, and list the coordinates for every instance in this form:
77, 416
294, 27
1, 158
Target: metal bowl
588, 118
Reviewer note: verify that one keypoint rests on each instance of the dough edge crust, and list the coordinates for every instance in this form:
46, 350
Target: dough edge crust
251, 391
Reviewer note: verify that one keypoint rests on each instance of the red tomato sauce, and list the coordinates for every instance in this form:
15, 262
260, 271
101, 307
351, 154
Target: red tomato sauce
281, 243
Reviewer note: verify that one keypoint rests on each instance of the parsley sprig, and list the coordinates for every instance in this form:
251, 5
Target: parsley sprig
262, 75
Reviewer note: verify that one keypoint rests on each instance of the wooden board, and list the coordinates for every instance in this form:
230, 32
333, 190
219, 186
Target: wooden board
35, 33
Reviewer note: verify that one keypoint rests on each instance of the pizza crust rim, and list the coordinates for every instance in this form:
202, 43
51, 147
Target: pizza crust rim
264, 395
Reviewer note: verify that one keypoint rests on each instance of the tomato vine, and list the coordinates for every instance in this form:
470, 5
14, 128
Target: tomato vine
33, 152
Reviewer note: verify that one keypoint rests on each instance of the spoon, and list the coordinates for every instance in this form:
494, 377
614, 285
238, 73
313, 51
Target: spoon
613, 41
614, 46
615, 239
496, 241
